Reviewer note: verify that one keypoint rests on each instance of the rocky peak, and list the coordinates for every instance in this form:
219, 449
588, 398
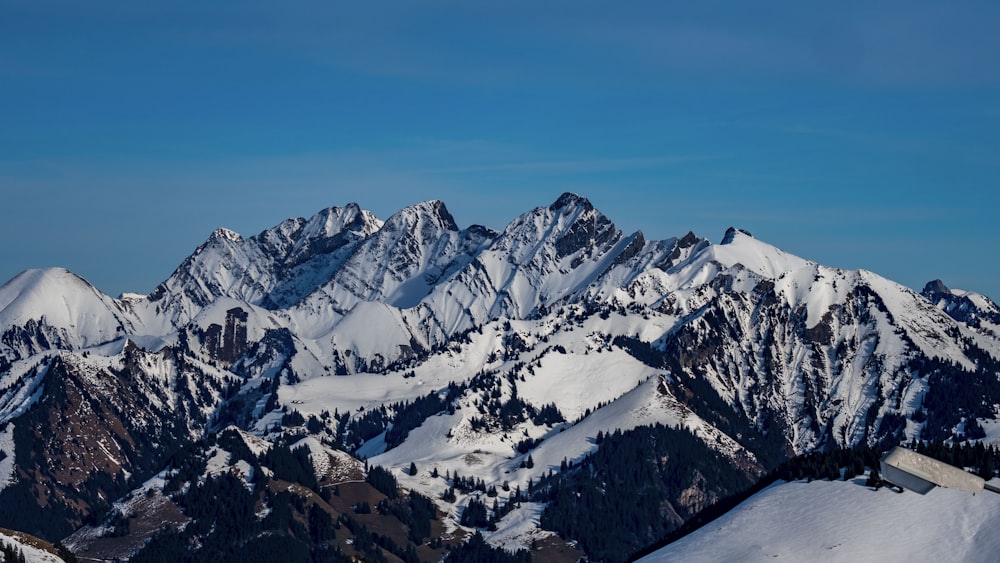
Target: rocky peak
935, 288
334, 220
481, 232
431, 214
589, 230
688, 240
224, 234
327, 231
731, 233
569, 199
441, 214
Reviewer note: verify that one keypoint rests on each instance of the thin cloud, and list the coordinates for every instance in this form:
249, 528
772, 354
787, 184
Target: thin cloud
914, 44
573, 166
829, 215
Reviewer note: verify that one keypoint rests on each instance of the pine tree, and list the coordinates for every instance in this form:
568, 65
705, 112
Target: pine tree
987, 468
413, 469
874, 479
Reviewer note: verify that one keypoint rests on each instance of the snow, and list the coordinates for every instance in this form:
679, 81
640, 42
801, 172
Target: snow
422, 233
348, 392
992, 428
846, 521
491, 456
256, 445
317, 454
283, 264
576, 383
518, 529
23, 384
372, 329
7, 463
60, 299
760, 257
259, 320
591, 373
373, 447
218, 463
157, 482
924, 323
981, 301
32, 554
799, 281
643, 406
522, 269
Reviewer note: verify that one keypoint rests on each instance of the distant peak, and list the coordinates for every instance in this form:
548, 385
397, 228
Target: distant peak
688, 240
223, 233
350, 216
436, 209
935, 287
58, 280
346, 211
482, 231
570, 199
731, 233
38, 275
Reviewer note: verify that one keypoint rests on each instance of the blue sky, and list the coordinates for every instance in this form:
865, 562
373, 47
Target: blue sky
860, 135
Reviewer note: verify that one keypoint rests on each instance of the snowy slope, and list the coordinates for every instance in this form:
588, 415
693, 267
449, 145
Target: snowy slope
846, 521
400, 263
31, 548
42, 309
274, 269
542, 256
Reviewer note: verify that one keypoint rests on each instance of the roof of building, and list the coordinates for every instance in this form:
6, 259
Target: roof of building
920, 473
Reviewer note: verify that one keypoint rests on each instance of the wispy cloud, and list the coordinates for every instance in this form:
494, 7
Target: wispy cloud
884, 44
831, 215
894, 44
574, 166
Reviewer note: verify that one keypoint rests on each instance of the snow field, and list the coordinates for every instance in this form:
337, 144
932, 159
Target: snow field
846, 521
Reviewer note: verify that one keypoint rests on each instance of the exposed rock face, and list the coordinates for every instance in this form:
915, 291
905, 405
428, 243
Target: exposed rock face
228, 343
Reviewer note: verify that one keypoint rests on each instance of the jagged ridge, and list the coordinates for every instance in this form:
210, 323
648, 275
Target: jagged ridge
349, 320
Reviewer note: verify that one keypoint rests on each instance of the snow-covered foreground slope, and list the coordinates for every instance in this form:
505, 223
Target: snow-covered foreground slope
31, 548
849, 522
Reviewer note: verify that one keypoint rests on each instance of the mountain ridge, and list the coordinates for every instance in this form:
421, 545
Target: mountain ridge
491, 348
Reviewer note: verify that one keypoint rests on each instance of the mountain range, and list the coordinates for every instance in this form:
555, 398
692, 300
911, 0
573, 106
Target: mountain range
511, 359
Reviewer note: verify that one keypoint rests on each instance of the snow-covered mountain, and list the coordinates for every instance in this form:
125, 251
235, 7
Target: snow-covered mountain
273, 269
42, 310
497, 354
971, 308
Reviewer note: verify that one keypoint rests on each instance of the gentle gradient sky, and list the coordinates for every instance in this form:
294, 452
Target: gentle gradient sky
859, 135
